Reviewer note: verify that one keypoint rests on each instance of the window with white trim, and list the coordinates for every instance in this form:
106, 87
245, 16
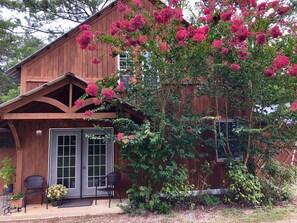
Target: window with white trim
223, 139
124, 64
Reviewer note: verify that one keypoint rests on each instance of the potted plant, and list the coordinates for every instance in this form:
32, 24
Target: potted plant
7, 173
55, 193
16, 200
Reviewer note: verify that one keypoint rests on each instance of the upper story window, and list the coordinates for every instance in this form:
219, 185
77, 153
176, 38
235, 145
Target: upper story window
125, 63
126, 67
226, 136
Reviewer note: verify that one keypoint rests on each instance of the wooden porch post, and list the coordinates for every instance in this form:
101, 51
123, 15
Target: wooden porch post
19, 158
19, 170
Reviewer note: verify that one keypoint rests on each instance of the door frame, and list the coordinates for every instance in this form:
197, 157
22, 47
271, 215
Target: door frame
81, 130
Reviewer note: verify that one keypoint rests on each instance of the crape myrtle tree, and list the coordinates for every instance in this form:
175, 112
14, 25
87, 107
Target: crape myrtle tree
240, 54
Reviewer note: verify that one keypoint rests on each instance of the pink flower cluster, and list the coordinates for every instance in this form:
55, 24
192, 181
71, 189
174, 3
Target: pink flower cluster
275, 32
281, 62
88, 113
78, 103
235, 67
217, 44
294, 106
92, 89
108, 93
269, 72
240, 31
121, 136
97, 101
168, 14
226, 16
85, 38
130, 26
120, 87
293, 70
261, 39
141, 40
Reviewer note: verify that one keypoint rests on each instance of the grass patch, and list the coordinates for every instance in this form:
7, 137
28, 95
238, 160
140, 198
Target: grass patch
257, 215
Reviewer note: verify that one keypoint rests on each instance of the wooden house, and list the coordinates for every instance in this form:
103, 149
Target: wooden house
45, 132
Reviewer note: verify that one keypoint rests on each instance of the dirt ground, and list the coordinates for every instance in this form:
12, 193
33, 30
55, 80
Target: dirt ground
217, 214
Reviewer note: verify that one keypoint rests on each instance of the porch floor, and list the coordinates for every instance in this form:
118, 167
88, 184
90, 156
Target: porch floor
37, 211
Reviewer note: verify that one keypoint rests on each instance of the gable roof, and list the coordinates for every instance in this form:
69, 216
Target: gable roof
15, 71
27, 106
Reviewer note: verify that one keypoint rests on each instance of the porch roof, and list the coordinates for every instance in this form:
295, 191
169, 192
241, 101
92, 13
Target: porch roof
55, 100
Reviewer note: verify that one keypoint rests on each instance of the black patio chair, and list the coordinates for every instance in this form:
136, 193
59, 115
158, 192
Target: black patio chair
113, 181
35, 185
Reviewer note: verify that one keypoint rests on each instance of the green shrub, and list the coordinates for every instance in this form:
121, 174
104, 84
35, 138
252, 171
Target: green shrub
179, 196
210, 200
245, 188
277, 182
141, 201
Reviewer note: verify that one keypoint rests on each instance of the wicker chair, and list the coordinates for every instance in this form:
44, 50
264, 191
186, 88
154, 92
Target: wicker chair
113, 181
35, 185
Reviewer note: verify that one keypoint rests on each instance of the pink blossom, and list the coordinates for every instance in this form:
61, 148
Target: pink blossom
217, 44
84, 27
191, 130
269, 72
235, 66
281, 62
294, 106
181, 35
131, 137
273, 4
174, 2
208, 18
243, 54
108, 93
97, 101
243, 33
199, 37
133, 80
96, 61
206, 11
163, 46
181, 43
261, 39
84, 39
92, 89
275, 32
262, 6
88, 113
293, 70
141, 40
283, 9
92, 48
78, 103
120, 87
120, 136
225, 51
137, 3
138, 22
158, 18
226, 16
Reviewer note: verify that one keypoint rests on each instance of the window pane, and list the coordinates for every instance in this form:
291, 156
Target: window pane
72, 161
66, 172
66, 161
72, 172
72, 182
90, 160
59, 172
90, 182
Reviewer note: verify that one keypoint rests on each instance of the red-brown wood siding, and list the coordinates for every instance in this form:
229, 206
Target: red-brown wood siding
66, 56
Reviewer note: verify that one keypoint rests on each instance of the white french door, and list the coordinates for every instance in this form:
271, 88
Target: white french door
77, 160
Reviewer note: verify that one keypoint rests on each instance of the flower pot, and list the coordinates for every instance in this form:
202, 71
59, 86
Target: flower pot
56, 203
9, 189
17, 203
